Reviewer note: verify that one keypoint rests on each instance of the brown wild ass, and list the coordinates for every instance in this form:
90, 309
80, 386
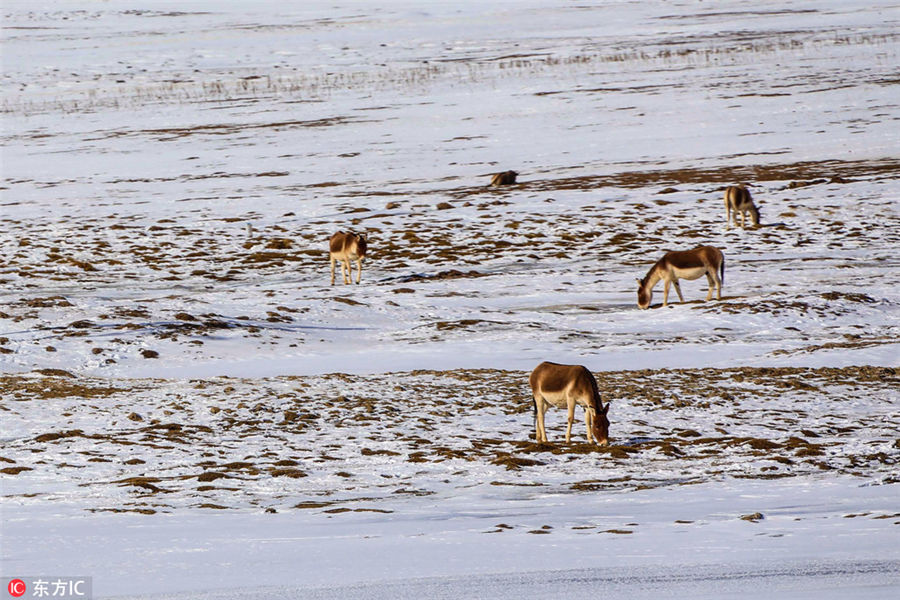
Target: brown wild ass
686, 264
504, 178
568, 385
345, 247
739, 201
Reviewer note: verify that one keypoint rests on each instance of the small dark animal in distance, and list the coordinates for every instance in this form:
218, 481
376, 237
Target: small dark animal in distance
504, 178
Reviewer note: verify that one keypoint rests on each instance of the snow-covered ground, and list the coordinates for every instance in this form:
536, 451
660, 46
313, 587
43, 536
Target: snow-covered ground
188, 406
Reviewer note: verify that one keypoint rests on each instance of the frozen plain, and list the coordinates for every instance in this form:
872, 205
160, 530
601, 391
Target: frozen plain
170, 174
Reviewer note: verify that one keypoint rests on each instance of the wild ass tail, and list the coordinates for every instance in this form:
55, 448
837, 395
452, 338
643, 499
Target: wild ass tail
722, 272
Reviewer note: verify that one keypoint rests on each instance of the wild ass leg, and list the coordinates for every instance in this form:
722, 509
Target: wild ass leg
571, 419
678, 289
666, 284
358, 269
727, 215
540, 407
332, 270
345, 271
589, 422
711, 281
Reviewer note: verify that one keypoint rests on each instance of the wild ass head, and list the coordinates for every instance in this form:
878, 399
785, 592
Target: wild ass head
644, 293
362, 244
754, 214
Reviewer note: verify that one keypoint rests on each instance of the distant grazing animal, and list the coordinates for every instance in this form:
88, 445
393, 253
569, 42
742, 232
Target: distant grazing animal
567, 385
504, 178
687, 264
738, 200
345, 247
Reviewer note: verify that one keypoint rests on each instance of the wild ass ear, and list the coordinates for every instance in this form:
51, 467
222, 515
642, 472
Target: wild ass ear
605, 408
638, 279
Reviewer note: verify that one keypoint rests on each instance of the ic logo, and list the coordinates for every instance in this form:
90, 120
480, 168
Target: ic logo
16, 588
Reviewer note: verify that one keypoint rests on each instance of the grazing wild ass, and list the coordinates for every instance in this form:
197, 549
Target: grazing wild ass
687, 264
568, 385
504, 178
345, 247
739, 201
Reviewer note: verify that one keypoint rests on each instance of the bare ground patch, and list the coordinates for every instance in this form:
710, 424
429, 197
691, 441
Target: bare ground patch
350, 442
